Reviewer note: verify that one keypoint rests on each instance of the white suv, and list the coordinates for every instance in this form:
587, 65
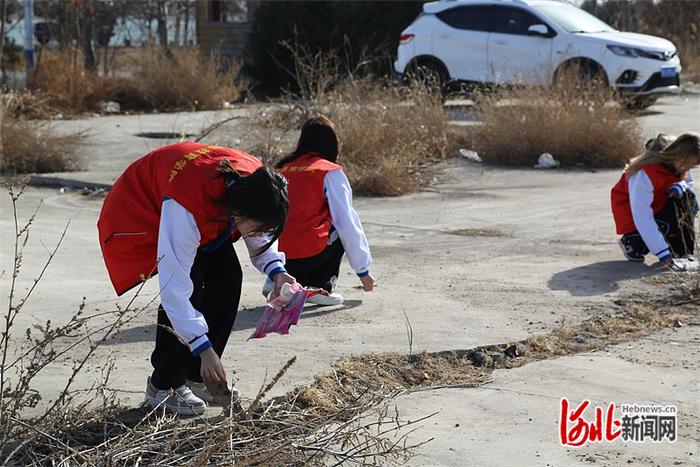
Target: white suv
531, 41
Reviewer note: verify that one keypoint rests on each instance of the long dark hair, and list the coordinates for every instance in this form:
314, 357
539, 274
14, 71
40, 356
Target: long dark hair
317, 135
260, 196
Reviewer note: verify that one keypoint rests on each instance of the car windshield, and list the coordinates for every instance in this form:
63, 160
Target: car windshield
572, 19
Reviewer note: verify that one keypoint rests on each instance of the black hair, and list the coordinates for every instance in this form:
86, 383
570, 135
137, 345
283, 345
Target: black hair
318, 136
260, 196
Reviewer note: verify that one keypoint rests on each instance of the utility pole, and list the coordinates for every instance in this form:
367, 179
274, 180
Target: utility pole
3, 20
29, 39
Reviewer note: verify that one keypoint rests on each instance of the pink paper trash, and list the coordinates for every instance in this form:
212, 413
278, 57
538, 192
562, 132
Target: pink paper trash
283, 311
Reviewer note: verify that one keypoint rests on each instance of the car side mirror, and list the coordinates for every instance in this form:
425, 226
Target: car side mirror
538, 30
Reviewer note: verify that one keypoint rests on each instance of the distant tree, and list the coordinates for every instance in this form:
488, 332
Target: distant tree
349, 27
676, 20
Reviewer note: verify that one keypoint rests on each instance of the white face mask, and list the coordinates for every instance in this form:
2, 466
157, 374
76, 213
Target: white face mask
248, 227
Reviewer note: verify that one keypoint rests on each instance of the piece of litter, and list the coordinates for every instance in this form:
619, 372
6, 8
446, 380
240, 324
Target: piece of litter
110, 107
283, 311
546, 161
470, 155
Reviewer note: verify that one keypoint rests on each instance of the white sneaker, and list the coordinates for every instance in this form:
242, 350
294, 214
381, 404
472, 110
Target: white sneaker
684, 264
268, 287
215, 394
331, 299
180, 400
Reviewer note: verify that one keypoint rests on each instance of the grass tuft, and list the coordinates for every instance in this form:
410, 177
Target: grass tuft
579, 127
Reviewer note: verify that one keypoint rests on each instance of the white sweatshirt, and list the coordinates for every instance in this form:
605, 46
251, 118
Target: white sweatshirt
346, 221
641, 192
178, 241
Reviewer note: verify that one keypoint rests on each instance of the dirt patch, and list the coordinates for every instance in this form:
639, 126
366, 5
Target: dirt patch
477, 233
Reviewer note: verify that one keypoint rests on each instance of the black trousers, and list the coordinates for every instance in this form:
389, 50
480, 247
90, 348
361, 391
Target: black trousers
676, 221
321, 270
217, 280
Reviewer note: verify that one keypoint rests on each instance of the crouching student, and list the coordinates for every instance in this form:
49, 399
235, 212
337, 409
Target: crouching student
322, 224
653, 202
178, 210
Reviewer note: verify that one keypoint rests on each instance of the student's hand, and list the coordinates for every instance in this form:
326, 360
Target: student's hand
280, 279
212, 370
368, 282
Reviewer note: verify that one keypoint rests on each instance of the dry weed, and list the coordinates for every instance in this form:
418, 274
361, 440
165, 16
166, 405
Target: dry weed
33, 147
392, 135
181, 79
578, 126
61, 79
185, 79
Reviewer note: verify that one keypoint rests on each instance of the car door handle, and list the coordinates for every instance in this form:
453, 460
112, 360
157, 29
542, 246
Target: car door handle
501, 42
444, 36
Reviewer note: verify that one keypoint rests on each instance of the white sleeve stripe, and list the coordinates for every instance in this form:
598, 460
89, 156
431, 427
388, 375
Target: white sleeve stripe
198, 341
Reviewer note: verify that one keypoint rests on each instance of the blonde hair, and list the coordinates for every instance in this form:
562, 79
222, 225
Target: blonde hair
658, 151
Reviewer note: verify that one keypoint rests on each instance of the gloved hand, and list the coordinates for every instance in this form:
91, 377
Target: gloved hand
676, 190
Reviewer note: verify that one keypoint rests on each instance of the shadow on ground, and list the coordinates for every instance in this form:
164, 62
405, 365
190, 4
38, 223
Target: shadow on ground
246, 319
599, 278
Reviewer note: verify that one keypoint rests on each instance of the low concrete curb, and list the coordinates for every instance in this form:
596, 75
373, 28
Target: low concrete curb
55, 182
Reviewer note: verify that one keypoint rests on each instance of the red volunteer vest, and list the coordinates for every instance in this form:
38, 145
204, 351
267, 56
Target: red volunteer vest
661, 179
130, 217
309, 219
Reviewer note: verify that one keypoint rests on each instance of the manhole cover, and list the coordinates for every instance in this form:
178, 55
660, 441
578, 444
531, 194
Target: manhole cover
164, 135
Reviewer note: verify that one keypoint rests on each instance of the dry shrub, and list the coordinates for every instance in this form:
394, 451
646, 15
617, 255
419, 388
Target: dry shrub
691, 66
33, 147
125, 91
185, 79
579, 126
61, 78
392, 135
28, 105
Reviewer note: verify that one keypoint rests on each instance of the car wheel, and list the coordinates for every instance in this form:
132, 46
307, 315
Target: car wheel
430, 74
583, 75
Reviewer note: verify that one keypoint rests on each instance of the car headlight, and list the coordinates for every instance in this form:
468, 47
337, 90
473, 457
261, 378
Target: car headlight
633, 52
624, 51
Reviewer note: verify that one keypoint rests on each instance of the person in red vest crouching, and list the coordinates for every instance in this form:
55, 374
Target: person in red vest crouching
322, 223
177, 212
653, 203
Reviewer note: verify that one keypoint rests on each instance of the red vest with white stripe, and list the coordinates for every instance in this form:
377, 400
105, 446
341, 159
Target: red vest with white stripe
130, 217
661, 179
309, 219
